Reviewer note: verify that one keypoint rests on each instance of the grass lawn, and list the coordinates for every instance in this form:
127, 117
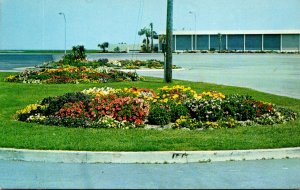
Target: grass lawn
15, 134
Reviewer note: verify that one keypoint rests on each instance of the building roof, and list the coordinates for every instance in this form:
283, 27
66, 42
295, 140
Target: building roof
214, 32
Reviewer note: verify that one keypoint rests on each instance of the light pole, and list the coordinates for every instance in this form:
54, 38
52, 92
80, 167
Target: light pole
65, 31
195, 17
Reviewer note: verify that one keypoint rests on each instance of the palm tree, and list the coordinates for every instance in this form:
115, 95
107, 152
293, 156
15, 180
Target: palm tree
151, 33
103, 46
145, 31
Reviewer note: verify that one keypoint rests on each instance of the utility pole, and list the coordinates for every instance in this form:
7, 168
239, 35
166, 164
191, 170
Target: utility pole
169, 36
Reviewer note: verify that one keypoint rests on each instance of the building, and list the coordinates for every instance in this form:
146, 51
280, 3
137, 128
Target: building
252, 40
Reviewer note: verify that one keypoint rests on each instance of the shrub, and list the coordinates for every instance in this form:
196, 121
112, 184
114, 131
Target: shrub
72, 110
32, 109
129, 108
176, 93
160, 114
77, 54
154, 64
102, 61
178, 110
289, 114
73, 75
69, 121
36, 118
120, 108
57, 102
68, 59
187, 122
239, 107
117, 49
147, 94
227, 122
205, 109
278, 115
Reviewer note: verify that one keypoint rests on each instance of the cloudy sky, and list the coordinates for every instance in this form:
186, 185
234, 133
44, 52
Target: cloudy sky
36, 24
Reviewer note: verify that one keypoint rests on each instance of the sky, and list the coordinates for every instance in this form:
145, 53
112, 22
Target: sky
36, 24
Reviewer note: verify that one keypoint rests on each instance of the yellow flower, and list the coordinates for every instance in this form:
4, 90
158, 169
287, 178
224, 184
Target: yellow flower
10, 77
175, 96
30, 108
150, 98
165, 100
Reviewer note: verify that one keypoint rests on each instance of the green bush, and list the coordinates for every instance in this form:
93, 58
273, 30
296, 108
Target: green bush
239, 107
178, 110
278, 115
57, 102
205, 109
160, 114
187, 122
77, 54
156, 64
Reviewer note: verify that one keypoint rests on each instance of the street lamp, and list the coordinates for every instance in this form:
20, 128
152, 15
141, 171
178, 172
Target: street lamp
65, 31
194, 46
195, 17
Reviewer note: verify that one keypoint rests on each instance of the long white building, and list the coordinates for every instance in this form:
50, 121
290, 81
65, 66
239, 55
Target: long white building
249, 40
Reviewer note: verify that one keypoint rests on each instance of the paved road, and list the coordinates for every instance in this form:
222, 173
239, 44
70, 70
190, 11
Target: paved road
273, 73
238, 174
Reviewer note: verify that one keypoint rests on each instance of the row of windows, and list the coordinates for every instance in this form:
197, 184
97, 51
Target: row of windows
237, 42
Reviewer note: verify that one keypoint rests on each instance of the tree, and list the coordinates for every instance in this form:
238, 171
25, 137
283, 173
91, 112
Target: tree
78, 52
150, 34
117, 49
145, 31
103, 46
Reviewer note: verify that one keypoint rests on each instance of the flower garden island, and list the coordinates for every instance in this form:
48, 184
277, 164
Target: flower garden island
139, 106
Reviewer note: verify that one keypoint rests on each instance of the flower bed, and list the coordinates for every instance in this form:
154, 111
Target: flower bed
72, 74
75, 68
136, 107
116, 64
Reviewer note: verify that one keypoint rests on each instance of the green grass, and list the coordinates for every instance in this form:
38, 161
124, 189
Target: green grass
14, 96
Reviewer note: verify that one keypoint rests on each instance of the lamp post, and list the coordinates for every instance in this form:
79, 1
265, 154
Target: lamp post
65, 31
195, 17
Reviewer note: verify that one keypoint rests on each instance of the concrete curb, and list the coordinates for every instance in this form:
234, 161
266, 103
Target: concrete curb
146, 157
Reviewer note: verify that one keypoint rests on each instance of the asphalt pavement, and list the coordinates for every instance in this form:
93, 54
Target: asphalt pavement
283, 173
